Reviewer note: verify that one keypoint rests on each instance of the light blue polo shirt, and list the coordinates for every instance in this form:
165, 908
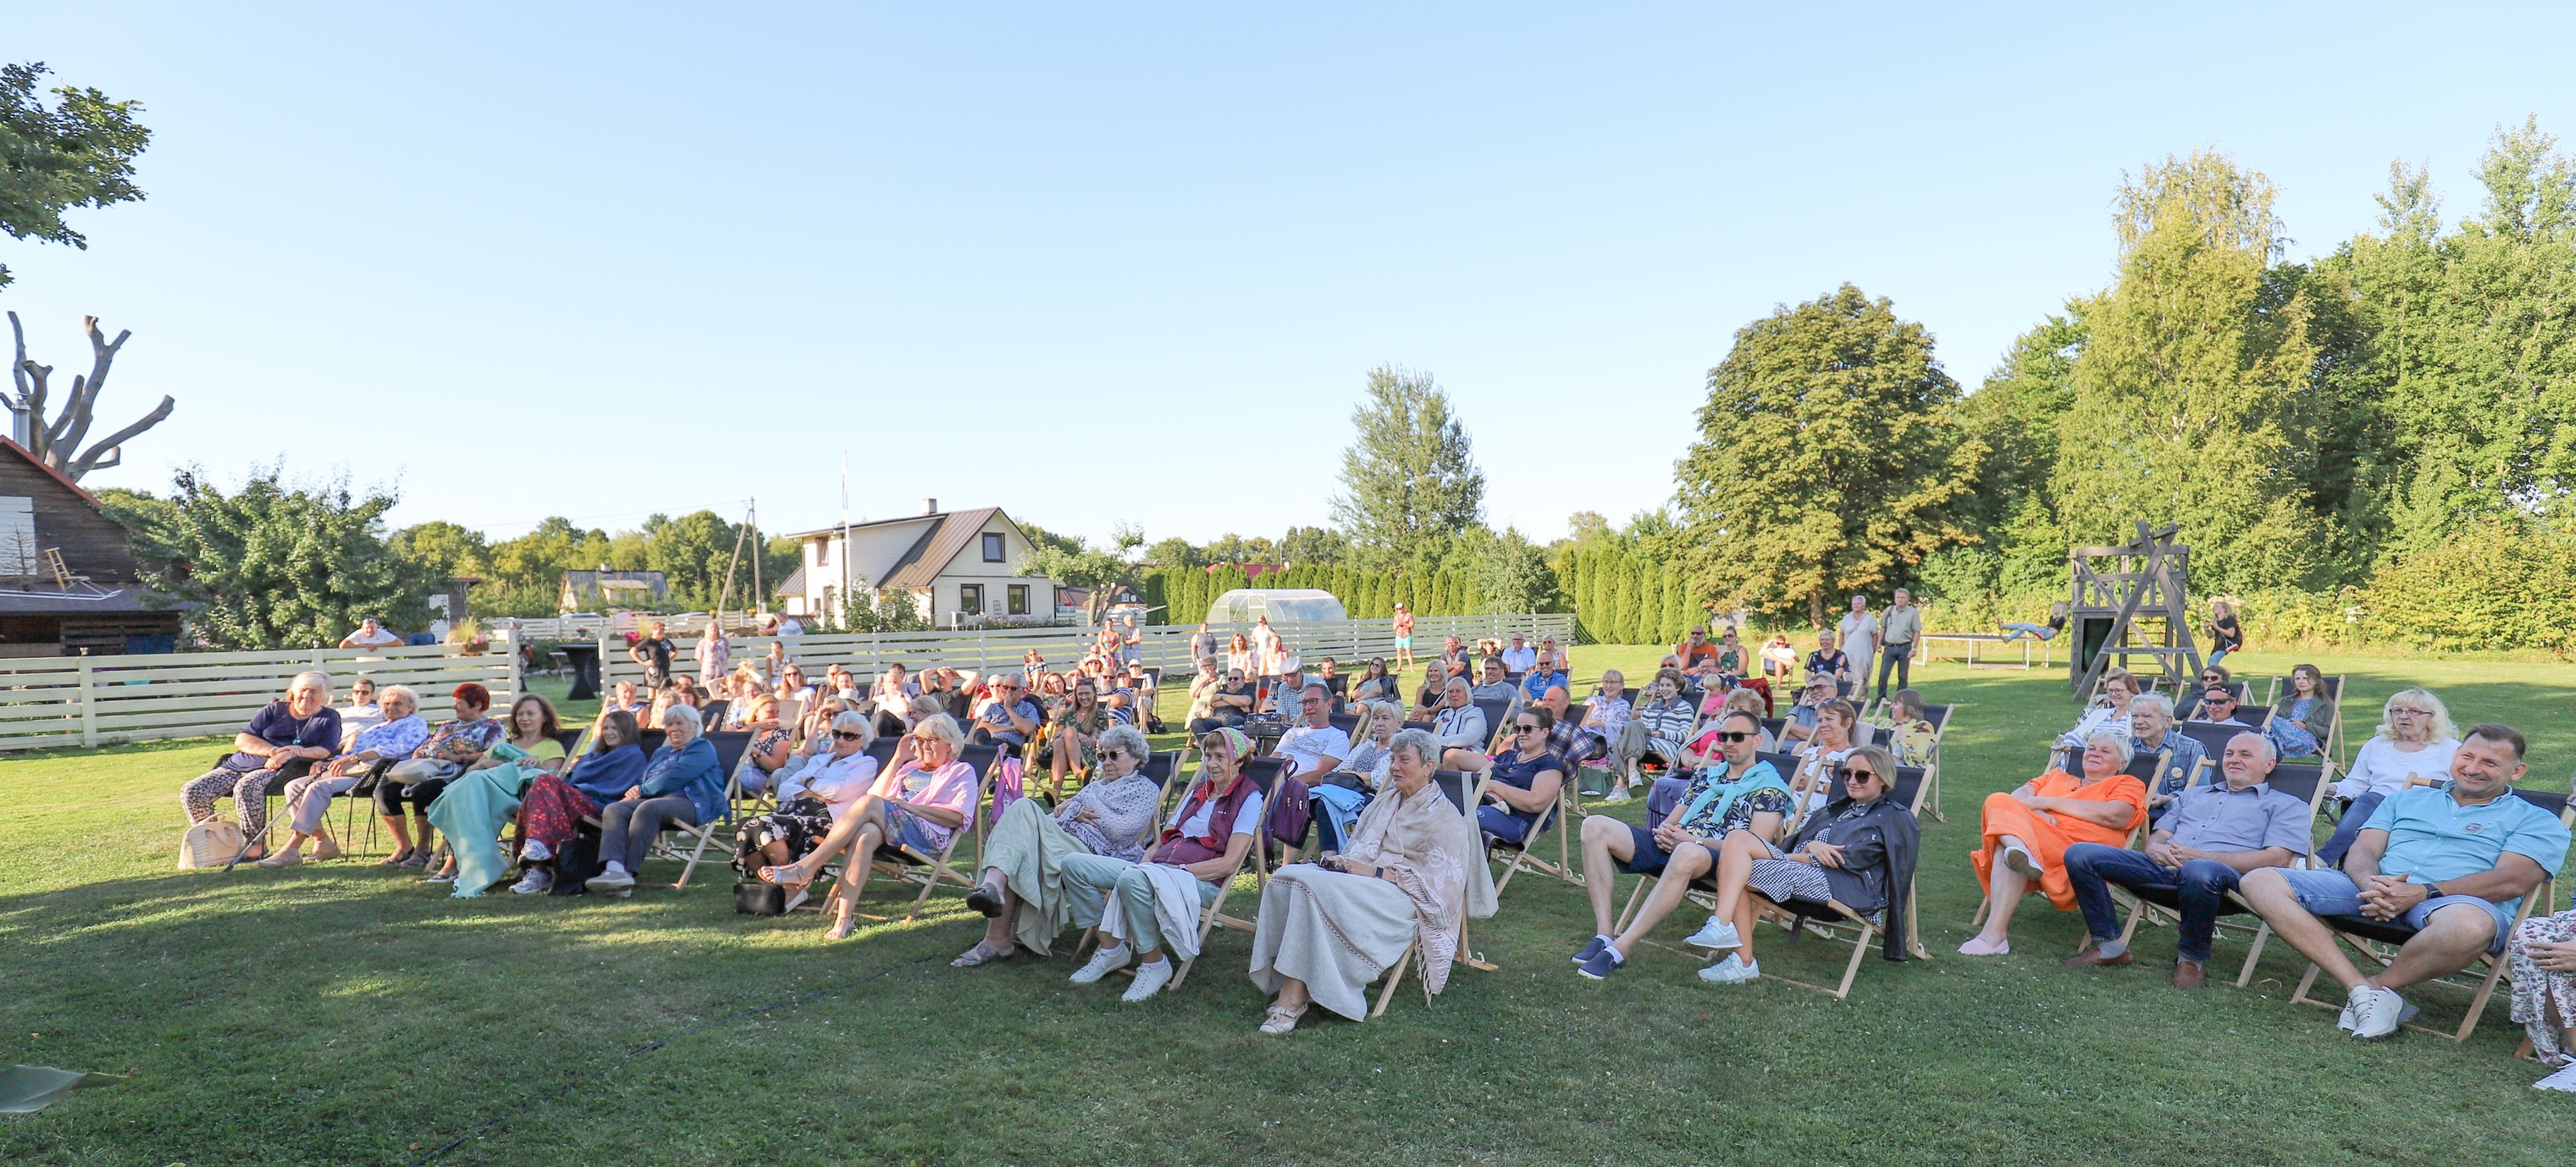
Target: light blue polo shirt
2432, 838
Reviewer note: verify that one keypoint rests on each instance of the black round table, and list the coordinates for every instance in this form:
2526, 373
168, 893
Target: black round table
584, 659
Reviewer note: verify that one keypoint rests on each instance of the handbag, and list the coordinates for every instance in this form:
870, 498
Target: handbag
211, 843
410, 771
753, 897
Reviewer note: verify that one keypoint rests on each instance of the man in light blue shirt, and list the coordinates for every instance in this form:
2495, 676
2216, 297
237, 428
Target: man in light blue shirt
2450, 863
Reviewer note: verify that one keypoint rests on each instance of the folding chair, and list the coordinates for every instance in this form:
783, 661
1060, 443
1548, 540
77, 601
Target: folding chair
1939, 716
2331, 741
1519, 855
904, 864
1464, 795
1834, 921
1263, 773
2305, 782
2377, 941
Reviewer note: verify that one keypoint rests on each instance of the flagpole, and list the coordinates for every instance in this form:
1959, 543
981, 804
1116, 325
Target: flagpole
843, 615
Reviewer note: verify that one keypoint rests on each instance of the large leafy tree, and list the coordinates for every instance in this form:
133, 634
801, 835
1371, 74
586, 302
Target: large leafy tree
1827, 459
2194, 400
274, 564
75, 151
1410, 485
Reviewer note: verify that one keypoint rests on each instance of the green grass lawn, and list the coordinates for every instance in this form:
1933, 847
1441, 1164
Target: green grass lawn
337, 1014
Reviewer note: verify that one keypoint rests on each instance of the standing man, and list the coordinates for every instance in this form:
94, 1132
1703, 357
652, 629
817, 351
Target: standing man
1859, 639
1403, 637
654, 652
370, 635
1896, 635
1131, 643
1203, 644
714, 652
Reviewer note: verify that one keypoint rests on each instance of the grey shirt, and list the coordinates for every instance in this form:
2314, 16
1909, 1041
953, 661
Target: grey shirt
2215, 818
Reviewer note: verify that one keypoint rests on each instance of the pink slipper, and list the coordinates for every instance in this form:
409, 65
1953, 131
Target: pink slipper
1977, 946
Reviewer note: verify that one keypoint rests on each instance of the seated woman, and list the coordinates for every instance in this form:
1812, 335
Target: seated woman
2415, 736
1340, 796
1073, 737
2543, 962
1414, 872
921, 802
1906, 731
1239, 657
282, 741
624, 697
772, 742
1526, 779
1204, 842
1603, 717
1858, 852
457, 743
2109, 712
2025, 833
485, 798
683, 783
817, 790
1023, 888
308, 799
552, 808
2016, 629
1374, 683
2300, 722
792, 686
1825, 748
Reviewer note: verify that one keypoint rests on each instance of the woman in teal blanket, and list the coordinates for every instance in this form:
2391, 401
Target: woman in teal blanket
475, 807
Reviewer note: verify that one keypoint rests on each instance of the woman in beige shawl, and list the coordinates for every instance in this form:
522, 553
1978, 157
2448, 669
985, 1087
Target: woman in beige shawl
1414, 870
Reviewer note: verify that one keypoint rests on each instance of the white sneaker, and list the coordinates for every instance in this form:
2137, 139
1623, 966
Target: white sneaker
614, 881
535, 881
2379, 1016
1150, 979
2352, 1007
533, 851
2564, 1079
1619, 795
1104, 962
1717, 933
1731, 971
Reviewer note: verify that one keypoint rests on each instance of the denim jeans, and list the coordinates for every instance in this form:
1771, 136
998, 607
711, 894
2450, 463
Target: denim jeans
2348, 829
1899, 656
2201, 885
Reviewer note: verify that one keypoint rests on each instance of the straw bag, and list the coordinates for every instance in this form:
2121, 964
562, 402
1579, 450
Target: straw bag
211, 843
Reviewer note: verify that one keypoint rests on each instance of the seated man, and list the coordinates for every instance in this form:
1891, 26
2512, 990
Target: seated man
1800, 725
1548, 673
1459, 727
1313, 746
1698, 656
1006, 717
2451, 862
1520, 657
1743, 793
1285, 693
2202, 846
2151, 730
1494, 686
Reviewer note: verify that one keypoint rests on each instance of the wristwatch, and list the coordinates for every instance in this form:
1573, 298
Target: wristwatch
2432, 891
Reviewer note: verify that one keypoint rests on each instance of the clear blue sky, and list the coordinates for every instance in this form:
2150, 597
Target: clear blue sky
603, 260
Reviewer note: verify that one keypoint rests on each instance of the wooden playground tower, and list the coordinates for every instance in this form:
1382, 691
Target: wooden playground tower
2128, 601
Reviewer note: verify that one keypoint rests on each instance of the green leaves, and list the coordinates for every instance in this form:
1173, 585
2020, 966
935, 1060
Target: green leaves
273, 564
77, 152
1409, 479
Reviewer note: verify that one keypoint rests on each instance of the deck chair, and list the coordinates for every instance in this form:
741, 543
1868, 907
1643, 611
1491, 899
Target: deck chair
1832, 920
2377, 942
1464, 794
929, 872
2213, 736
689, 848
2331, 741
1523, 854
2306, 782
711, 715
1704, 894
1264, 778
1939, 716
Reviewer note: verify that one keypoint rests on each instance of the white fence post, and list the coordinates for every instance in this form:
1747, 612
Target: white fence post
88, 706
518, 684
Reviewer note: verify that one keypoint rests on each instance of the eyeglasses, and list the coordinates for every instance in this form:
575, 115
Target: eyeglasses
1736, 736
2394, 711
849, 736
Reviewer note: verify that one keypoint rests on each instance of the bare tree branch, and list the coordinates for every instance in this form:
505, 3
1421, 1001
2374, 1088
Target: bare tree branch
18, 376
89, 460
30, 378
73, 425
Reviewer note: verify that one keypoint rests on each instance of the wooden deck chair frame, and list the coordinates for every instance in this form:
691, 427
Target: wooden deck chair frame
906, 865
1847, 926
2141, 910
2483, 986
1932, 769
1471, 794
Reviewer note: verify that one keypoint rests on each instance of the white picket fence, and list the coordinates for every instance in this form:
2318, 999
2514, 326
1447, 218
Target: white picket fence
96, 700
1163, 646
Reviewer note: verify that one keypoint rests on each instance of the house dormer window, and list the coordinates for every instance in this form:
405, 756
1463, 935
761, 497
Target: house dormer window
992, 547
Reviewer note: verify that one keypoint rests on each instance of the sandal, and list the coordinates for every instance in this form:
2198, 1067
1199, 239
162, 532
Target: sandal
396, 859
1280, 1019
840, 929
803, 877
980, 955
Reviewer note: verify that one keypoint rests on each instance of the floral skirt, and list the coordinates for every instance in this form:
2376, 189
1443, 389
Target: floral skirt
801, 825
2537, 990
551, 810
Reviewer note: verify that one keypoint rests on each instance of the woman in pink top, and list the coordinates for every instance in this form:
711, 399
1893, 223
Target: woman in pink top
919, 803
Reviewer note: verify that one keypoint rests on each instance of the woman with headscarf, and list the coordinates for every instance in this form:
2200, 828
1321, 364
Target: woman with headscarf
1413, 873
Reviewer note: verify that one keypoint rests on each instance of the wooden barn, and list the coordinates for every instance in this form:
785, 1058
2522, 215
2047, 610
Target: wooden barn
68, 582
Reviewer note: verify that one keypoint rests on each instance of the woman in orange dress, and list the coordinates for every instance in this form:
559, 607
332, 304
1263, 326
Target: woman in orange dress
2026, 833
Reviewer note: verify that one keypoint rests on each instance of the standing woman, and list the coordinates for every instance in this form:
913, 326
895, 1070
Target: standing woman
1414, 872
2300, 722
2225, 634
1238, 656
714, 651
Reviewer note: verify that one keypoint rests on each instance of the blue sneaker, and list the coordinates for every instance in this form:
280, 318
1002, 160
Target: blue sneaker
1592, 949
1602, 964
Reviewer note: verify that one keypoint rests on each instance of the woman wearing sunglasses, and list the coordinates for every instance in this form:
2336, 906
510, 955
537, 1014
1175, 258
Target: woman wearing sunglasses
810, 801
1527, 777
1858, 852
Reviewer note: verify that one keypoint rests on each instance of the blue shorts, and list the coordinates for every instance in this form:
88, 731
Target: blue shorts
1650, 857
1501, 824
912, 831
2327, 894
1404, 642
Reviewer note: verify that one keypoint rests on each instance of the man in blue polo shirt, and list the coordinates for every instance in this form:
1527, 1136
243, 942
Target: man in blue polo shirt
2451, 862
2208, 839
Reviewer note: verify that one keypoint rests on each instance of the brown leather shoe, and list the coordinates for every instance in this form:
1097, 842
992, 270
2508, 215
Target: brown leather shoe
2092, 957
2188, 975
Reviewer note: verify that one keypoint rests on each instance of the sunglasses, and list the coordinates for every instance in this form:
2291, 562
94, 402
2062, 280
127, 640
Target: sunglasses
1850, 775
1736, 736
848, 736
1527, 729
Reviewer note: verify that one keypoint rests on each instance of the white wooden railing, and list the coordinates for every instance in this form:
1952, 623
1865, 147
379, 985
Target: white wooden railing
1163, 646
96, 700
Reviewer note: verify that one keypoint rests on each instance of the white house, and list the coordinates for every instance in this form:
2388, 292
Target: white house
954, 565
